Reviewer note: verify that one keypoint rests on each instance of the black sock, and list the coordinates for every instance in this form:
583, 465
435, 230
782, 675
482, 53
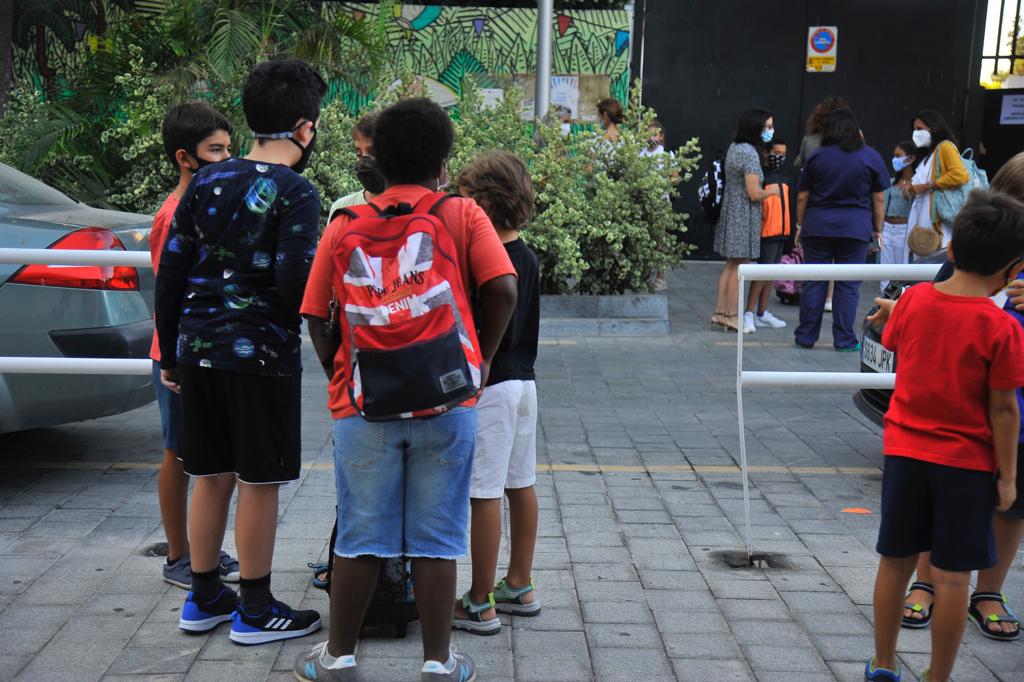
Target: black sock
255, 594
206, 585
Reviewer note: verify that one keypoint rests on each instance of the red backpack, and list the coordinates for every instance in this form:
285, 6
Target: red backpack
405, 318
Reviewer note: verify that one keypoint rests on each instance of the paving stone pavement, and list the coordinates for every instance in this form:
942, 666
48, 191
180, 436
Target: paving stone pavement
638, 492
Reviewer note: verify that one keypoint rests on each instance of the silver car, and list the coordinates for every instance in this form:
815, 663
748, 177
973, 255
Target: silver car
69, 311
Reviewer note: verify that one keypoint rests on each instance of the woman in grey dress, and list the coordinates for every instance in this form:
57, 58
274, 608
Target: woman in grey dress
738, 235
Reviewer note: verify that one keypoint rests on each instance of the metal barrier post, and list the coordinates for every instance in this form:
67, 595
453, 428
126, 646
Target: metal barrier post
805, 272
744, 474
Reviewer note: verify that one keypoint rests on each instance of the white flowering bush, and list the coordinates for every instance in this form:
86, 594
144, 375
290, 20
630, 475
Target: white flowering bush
604, 221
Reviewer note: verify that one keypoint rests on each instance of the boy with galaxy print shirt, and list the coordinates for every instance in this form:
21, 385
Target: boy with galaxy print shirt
231, 279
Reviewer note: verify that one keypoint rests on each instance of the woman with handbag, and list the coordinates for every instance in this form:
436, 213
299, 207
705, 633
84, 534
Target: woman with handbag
937, 186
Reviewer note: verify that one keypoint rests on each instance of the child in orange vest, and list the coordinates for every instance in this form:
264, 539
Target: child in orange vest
775, 230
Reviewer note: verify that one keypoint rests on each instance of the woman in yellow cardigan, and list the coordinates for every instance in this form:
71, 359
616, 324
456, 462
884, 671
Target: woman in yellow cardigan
940, 169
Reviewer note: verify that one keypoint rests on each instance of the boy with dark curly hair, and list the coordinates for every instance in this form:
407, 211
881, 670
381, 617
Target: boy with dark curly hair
403, 483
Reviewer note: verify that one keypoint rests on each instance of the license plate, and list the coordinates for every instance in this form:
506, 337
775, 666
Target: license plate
875, 356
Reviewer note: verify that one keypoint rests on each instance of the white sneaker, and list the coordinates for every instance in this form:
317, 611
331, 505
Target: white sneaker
748, 323
769, 320
828, 306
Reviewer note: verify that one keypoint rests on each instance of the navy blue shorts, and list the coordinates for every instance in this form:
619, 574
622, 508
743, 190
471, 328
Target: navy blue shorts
944, 510
1016, 510
169, 403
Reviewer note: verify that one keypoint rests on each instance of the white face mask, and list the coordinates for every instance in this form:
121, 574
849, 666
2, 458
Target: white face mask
922, 138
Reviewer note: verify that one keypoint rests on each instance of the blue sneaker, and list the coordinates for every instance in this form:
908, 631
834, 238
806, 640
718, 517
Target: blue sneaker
196, 617
873, 674
278, 621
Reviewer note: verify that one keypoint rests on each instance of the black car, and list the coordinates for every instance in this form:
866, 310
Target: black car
872, 402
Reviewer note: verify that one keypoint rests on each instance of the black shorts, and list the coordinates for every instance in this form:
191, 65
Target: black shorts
1016, 510
771, 251
235, 422
944, 510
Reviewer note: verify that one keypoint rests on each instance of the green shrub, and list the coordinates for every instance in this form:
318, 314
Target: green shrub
603, 220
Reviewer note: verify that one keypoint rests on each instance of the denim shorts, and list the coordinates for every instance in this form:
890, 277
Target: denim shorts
403, 485
169, 403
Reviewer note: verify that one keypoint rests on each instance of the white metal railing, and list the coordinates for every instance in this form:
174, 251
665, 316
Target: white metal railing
50, 365
807, 272
137, 259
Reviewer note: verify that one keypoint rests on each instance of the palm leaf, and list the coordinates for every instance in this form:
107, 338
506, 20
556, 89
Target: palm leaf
236, 37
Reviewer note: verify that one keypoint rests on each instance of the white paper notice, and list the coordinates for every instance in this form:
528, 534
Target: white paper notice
1012, 113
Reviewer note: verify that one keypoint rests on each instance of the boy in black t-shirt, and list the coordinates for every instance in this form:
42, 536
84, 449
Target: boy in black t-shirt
232, 275
506, 443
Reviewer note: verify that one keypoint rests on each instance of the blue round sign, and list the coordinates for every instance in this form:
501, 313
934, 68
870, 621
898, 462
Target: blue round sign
822, 40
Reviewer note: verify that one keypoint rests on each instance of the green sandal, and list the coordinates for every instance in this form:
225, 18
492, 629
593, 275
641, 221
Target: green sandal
509, 599
474, 621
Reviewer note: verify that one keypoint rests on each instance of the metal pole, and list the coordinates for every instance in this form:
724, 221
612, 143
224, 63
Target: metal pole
739, 416
545, 19
643, 46
16, 365
137, 259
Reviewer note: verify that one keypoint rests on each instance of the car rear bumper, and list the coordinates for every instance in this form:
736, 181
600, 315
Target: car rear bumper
60, 322
872, 404
123, 341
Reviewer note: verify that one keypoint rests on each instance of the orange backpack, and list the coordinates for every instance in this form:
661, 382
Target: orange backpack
775, 218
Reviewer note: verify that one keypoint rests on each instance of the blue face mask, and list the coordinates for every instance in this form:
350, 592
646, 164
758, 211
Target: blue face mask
767, 134
900, 162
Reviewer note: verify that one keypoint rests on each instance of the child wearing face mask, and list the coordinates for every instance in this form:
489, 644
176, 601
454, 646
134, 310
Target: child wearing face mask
366, 166
951, 432
776, 227
194, 136
898, 201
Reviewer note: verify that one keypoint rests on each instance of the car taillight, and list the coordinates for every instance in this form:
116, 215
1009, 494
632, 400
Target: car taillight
109, 277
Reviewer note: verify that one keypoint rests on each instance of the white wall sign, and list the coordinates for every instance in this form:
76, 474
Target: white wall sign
821, 48
1012, 112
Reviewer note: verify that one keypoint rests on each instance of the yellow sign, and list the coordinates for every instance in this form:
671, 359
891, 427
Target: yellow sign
822, 42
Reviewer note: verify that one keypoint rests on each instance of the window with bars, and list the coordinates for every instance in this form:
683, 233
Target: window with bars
1002, 56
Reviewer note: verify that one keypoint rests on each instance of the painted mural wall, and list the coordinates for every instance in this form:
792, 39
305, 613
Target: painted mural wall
440, 45
445, 45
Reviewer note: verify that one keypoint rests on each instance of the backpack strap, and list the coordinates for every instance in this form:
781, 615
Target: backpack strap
358, 211
430, 203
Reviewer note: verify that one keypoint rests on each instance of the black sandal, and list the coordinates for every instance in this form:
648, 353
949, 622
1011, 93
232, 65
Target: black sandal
926, 615
984, 622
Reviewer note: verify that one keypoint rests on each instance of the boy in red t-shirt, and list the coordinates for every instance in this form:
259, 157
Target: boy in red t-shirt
403, 484
951, 430
194, 135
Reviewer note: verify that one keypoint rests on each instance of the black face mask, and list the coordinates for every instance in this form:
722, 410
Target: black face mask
307, 152
201, 163
369, 175
773, 162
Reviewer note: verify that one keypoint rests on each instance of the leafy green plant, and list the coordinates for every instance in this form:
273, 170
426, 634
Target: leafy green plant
603, 222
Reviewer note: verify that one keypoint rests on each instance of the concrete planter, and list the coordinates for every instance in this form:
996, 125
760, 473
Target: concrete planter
625, 315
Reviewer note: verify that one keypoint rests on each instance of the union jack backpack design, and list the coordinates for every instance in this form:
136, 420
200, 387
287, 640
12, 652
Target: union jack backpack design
407, 325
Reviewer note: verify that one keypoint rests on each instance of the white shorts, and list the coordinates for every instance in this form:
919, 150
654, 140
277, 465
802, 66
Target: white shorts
506, 439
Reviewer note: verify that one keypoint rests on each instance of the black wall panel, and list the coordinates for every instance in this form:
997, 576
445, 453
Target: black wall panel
705, 61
